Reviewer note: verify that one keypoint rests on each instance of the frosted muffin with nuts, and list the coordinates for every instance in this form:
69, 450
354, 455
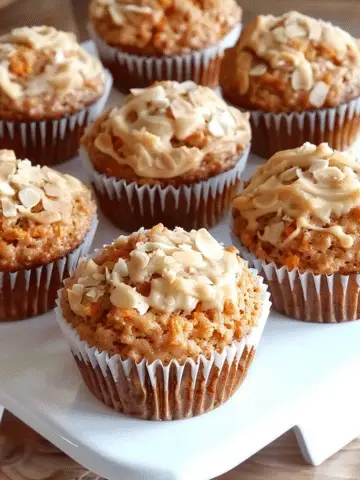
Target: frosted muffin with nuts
47, 220
299, 215
141, 42
50, 88
173, 153
167, 311
300, 78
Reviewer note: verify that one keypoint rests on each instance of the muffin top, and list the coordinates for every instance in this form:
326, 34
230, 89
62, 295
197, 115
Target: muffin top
44, 73
162, 294
302, 209
172, 132
163, 27
293, 62
43, 214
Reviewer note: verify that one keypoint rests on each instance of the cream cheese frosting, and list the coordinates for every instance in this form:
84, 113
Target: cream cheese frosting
309, 185
38, 60
181, 269
150, 130
36, 193
285, 44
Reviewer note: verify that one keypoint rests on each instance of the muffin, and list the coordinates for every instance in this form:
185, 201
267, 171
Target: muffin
50, 89
47, 221
148, 40
300, 79
299, 219
163, 324
173, 153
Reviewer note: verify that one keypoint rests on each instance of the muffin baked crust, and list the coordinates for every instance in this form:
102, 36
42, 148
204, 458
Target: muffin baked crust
163, 27
44, 215
291, 63
45, 73
170, 134
302, 210
162, 294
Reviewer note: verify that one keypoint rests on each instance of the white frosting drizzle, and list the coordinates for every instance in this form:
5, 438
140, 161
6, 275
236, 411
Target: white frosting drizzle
38, 193
311, 185
154, 124
182, 268
68, 65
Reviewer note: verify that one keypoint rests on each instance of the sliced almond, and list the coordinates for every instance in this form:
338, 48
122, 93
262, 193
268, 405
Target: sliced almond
29, 197
315, 29
8, 208
258, 70
272, 233
302, 77
121, 268
124, 296
329, 174
45, 217
136, 91
318, 94
280, 34
52, 190
56, 206
6, 189
188, 258
7, 155
318, 164
116, 15
294, 30
289, 175
7, 169
215, 128
142, 9
207, 245
91, 268
75, 296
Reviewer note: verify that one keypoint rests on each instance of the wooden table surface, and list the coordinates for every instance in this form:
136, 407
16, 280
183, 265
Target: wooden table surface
282, 459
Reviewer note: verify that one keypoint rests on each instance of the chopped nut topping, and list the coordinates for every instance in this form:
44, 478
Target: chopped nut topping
300, 54
24, 187
64, 65
181, 268
155, 123
309, 185
164, 27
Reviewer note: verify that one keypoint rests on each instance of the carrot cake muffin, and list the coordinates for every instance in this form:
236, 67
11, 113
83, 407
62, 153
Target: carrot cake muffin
46, 220
173, 153
46, 78
146, 40
157, 298
300, 77
300, 213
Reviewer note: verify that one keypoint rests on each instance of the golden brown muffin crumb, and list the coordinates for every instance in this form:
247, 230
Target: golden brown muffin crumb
162, 294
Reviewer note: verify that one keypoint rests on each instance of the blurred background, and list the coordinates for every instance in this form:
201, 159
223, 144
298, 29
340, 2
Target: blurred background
72, 14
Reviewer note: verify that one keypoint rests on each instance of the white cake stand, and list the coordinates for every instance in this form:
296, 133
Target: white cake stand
304, 376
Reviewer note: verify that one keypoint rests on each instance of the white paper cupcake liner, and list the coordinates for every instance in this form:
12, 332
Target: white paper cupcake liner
272, 132
305, 296
155, 391
131, 206
30, 292
132, 71
52, 141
